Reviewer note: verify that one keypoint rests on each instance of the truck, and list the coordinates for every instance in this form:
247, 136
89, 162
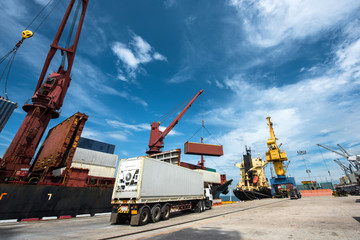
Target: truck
147, 190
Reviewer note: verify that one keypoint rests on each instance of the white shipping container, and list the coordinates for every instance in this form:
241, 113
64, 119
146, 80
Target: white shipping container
150, 180
95, 171
209, 177
91, 157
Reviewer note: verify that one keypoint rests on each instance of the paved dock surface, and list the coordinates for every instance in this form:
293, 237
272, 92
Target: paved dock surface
306, 218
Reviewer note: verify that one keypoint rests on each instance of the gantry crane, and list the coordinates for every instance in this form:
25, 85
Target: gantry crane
156, 142
46, 102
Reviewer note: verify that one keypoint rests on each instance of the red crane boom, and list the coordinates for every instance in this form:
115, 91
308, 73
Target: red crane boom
46, 102
156, 141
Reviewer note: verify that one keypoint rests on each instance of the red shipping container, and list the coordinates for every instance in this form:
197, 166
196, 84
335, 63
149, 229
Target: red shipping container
203, 149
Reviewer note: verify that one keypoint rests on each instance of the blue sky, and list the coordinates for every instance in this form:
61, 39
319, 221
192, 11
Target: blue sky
296, 61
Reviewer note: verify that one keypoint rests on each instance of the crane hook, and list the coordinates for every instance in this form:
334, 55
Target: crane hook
27, 34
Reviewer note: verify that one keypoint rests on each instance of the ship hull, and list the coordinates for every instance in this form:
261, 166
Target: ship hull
246, 195
38, 201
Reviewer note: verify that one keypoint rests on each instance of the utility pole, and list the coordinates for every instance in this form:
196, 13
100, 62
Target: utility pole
230, 194
302, 153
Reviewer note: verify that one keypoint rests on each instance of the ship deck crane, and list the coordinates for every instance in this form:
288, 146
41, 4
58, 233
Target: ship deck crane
156, 142
46, 102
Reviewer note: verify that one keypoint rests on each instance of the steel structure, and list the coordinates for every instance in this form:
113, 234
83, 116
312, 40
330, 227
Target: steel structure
46, 102
156, 142
277, 157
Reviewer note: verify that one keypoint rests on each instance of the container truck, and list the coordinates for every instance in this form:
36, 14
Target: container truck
148, 189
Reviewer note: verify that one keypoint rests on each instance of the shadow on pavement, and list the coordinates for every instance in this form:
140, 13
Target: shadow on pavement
199, 234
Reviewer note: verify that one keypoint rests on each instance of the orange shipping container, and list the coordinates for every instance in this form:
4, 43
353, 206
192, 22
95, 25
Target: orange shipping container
203, 149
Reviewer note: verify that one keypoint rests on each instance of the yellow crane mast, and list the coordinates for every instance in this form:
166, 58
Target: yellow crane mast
274, 154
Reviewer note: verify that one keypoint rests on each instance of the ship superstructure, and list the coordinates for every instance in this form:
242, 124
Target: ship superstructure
253, 183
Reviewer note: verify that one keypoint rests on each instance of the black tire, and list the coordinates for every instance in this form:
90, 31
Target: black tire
165, 212
155, 213
144, 213
202, 206
197, 209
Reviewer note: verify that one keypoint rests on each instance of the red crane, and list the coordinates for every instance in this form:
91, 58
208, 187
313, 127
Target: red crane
156, 141
46, 102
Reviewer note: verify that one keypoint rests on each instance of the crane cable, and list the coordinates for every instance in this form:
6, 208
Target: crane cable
71, 31
325, 164
25, 35
174, 110
203, 126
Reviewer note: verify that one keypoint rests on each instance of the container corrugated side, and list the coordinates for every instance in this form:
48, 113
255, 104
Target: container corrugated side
209, 177
160, 179
91, 157
6, 109
203, 149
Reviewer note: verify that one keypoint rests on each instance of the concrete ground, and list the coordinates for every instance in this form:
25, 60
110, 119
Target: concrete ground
307, 218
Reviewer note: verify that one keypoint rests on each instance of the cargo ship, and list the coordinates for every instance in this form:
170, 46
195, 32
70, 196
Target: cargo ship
72, 175
69, 176
253, 183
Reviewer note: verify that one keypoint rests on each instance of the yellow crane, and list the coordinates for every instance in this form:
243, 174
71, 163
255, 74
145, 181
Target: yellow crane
282, 185
274, 154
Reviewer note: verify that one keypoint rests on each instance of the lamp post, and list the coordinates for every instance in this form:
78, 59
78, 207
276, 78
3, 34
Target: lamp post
302, 153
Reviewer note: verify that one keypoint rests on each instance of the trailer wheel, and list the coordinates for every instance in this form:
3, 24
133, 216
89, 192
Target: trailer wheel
144, 215
155, 213
165, 212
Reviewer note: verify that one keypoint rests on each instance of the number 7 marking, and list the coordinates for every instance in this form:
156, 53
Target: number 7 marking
3, 194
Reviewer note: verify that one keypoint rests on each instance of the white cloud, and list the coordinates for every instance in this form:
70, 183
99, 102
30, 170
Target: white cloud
268, 23
219, 84
134, 56
181, 76
158, 56
171, 133
349, 58
122, 125
125, 55
170, 3
321, 109
95, 78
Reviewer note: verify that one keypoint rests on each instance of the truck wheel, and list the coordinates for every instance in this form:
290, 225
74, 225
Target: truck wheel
144, 215
165, 212
155, 213
197, 209
210, 204
202, 206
